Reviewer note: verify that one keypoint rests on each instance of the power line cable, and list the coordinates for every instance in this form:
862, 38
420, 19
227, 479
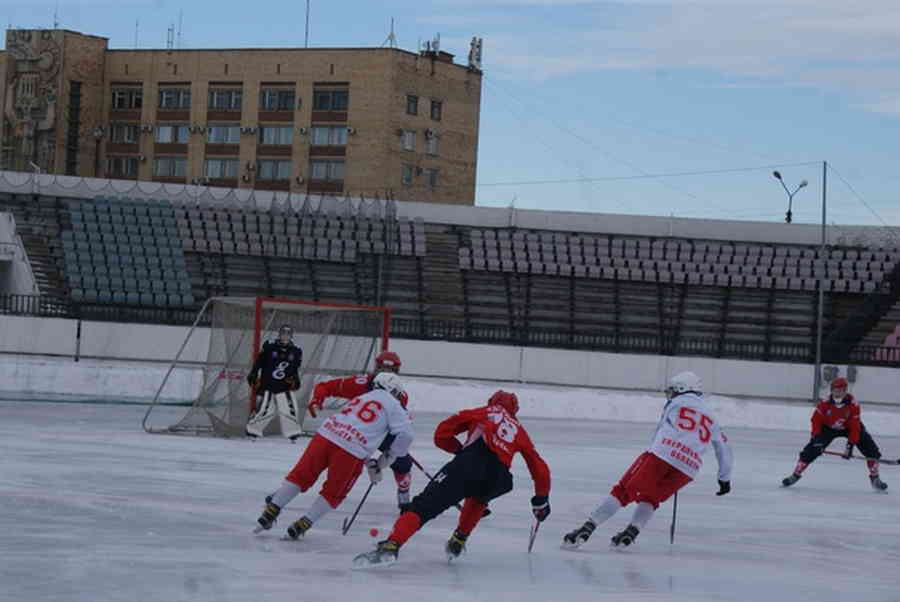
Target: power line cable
666, 134
647, 176
541, 140
589, 143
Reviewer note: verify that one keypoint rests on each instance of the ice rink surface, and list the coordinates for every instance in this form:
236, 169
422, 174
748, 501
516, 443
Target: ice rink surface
94, 509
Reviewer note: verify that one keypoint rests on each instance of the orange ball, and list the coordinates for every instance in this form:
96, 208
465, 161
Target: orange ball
373, 532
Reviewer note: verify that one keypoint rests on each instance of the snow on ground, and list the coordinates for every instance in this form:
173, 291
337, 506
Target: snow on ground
94, 509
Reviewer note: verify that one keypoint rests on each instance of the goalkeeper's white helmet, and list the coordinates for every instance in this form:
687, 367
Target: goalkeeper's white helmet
684, 382
391, 383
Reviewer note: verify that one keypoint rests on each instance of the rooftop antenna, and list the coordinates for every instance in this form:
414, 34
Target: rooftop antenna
56, 16
180, 22
306, 41
475, 53
136, 25
391, 40
170, 37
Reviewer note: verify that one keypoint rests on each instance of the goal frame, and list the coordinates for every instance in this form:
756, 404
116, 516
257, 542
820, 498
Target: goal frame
258, 325
259, 304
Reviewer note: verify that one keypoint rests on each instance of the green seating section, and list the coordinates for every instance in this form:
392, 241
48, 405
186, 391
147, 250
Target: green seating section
126, 252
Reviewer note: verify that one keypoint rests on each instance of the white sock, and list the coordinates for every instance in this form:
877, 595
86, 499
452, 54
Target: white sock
605, 510
285, 494
319, 508
642, 514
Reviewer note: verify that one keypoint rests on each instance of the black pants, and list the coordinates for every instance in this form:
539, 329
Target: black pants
475, 472
818, 443
401, 465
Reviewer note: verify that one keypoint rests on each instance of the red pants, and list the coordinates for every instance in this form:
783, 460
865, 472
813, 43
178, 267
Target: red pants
343, 470
649, 479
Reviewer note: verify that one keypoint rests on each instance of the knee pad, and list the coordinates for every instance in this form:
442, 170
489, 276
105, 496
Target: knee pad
404, 480
403, 464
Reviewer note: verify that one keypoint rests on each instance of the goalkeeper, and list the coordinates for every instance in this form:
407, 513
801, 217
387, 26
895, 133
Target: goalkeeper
273, 377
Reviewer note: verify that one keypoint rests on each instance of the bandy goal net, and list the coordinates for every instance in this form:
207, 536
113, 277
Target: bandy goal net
336, 340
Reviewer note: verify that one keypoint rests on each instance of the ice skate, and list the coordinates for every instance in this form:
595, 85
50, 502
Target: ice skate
577, 537
626, 537
456, 545
790, 480
877, 483
268, 517
299, 528
384, 555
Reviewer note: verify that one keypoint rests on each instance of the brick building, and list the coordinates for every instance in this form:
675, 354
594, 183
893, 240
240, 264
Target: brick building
358, 121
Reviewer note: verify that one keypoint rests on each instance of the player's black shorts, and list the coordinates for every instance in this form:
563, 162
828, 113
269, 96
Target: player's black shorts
475, 472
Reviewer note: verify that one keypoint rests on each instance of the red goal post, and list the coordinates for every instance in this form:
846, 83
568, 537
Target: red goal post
337, 339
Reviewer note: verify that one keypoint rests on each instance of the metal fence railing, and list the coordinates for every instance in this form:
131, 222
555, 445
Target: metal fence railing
460, 331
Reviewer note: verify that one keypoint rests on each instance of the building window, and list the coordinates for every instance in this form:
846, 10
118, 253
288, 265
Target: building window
28, 85
408, 140
225, 100
277, 100
174, 98
328, 136
123, 133
170, 167
406, 175
326, 170
172, 134
122, 166
432, 174
276, 135
330, 100
432, 144
437, 108
221, 169
124, 99
273, 170
224, 134
412, 104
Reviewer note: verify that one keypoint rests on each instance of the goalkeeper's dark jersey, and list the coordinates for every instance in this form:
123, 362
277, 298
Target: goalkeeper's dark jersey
276, 367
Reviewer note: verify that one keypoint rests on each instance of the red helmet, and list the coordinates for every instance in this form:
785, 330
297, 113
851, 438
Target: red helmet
839, 383
506, 400
387, 361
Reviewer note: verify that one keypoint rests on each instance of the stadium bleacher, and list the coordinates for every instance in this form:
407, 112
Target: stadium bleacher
523, 285
696, 262
125, 253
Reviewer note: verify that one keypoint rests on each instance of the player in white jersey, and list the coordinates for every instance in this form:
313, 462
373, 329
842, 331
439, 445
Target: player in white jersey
342, 445
674, 458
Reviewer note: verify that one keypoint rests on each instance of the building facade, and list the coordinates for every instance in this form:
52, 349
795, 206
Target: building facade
344, 121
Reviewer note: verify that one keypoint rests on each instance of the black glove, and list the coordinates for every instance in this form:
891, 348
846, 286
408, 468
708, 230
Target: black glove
848, 451
251, 380
540, 507
724, 487
292, 382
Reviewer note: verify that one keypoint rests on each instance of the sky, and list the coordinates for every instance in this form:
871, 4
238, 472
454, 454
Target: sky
648, 107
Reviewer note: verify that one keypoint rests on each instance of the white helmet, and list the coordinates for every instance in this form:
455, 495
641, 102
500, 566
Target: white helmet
390, 382
684, 382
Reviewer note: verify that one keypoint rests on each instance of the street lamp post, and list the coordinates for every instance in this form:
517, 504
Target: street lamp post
788, 215
817, 380
819, 281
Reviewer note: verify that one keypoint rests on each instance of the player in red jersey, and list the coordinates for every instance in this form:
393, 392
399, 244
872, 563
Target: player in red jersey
478, 473
351, 387
838, 416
